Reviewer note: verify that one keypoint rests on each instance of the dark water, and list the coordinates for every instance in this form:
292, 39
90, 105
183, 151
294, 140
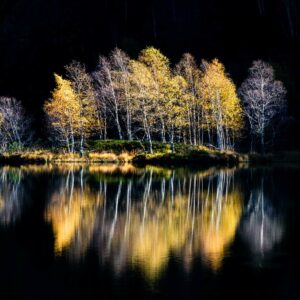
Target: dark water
120, 232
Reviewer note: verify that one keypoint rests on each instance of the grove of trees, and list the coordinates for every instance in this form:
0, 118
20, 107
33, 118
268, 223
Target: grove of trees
148, 99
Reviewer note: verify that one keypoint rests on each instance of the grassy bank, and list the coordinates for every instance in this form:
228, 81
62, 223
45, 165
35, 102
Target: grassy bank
45, 156
113, 151
199, 157
126, 151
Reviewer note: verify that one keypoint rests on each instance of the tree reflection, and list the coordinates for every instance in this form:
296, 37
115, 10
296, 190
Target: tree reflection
142, 217
220, 217
11, 195
72, 212
262, 227
145, 217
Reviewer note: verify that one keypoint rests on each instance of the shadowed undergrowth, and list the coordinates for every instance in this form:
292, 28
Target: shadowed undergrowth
127, 151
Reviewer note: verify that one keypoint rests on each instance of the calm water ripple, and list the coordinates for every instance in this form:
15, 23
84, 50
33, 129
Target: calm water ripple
117, 231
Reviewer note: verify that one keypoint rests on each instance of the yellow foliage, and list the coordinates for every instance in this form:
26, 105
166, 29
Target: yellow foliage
219, 98
71, 113
64, 108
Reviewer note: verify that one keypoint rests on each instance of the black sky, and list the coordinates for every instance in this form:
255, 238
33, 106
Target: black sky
39, 37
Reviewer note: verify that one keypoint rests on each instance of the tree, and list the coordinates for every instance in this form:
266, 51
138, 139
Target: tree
63, 112
81, 83
142, 83
120, 64
14, 125
187, 68
159, 93
221, 104
107, 93
264, 99
100, 93
159, 67
175, 107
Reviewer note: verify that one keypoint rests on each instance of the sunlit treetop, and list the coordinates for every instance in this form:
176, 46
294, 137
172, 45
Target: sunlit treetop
220, 96
64, 107
152, 57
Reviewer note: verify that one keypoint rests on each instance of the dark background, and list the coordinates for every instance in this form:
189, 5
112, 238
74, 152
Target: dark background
39, 37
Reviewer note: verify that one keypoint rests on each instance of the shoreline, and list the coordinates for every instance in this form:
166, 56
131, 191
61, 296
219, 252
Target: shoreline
203, 158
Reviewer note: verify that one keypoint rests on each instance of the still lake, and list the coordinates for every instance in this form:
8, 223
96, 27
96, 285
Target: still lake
119, 232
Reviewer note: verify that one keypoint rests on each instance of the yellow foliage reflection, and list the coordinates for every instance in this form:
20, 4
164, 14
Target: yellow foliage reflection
65, 217
142, 220
218, 228
72, 212
163, 230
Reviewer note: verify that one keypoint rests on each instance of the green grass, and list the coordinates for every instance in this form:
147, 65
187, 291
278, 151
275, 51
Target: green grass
119, 146
196, 157
116, 151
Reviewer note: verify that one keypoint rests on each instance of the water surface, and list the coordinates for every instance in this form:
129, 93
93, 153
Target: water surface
118, 232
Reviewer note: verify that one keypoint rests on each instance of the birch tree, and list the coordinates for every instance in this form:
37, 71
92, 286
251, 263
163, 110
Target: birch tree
82, 85
120, 63
166, 94
63, 113
102, 110
112, 102
142, 92
221, 104
175, 107
187, 68
159, 67
14, 125
264, 99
